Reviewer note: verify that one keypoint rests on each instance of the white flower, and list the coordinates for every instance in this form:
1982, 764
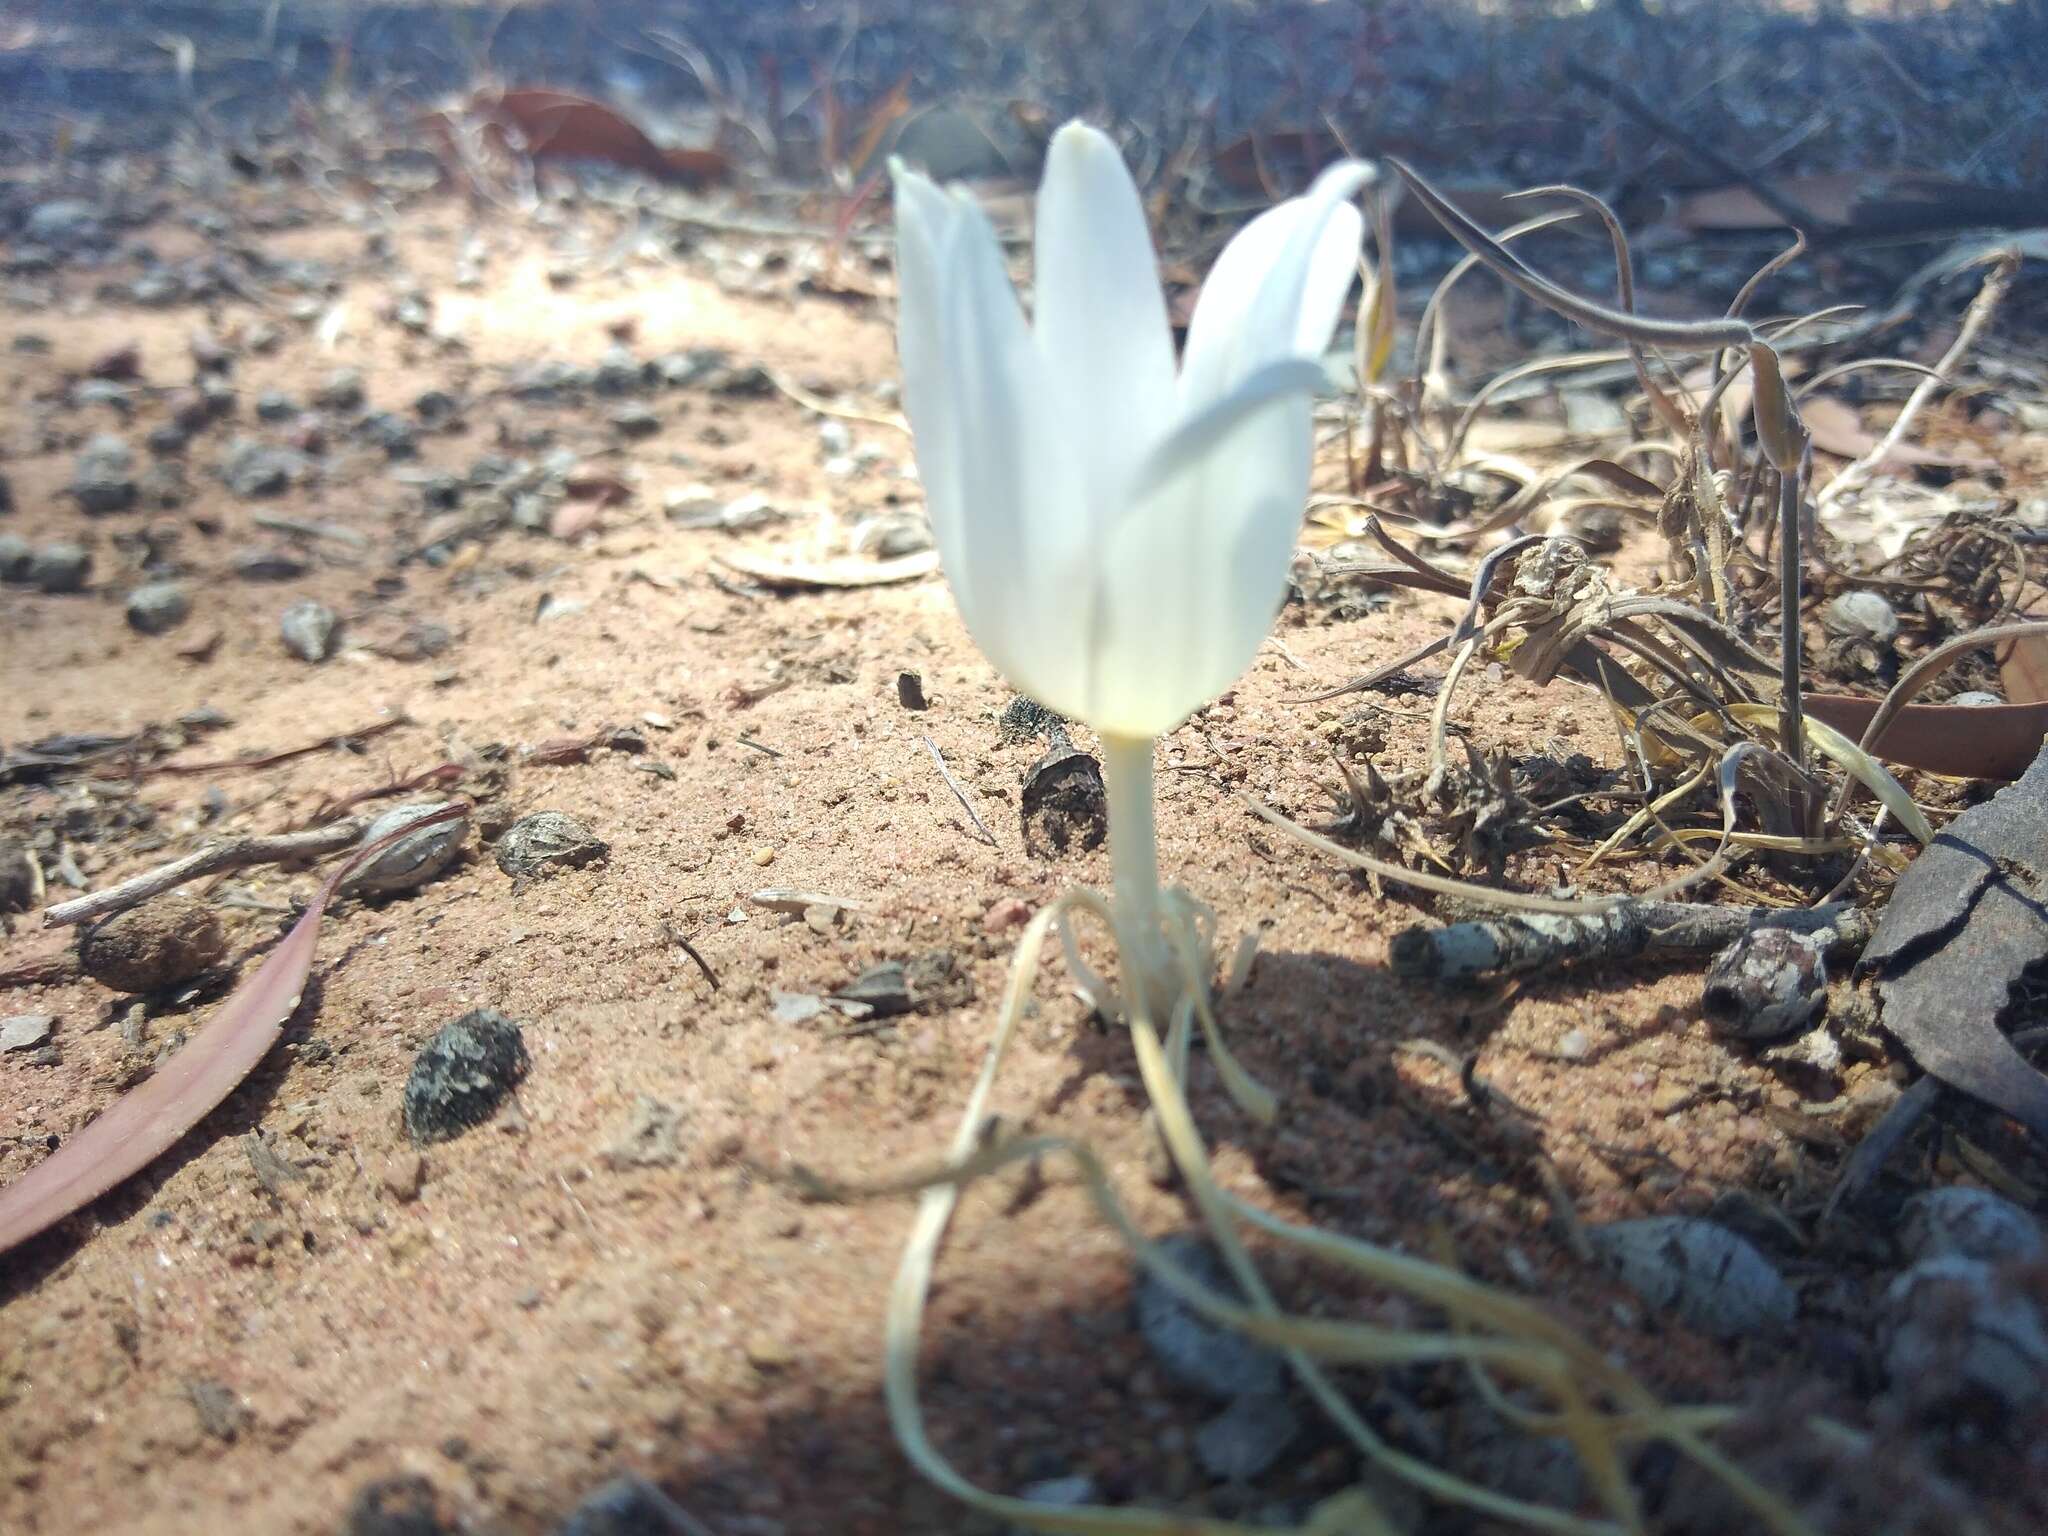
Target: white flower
1117, 536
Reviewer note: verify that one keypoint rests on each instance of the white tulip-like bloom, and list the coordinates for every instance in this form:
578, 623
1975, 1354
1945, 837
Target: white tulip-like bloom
1116, 532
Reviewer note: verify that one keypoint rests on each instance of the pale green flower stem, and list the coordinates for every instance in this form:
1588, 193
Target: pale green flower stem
1134, 863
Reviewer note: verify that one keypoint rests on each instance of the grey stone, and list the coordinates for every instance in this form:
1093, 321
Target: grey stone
546, 841
61, 567
158, 608
104, 480
1200, 1355
463, 1074
1245, 1439
628, 1505
252, 469
341, 390
618, 372
269, 565
25, 1031
310, 630
16, 556
1715, 1280
634, 420
273, 405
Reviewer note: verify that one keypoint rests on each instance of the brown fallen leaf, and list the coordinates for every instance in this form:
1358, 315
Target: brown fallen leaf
1964, 922
1836, 429
1989, 741
558, 125
2023, 668
148, 1121
1866, 203
797, 575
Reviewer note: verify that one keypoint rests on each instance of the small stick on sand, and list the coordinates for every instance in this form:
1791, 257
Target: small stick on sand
1503, 946
279, 848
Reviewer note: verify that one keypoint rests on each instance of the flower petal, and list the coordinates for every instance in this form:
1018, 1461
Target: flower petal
1277, 288
924, 220
1100, 315
1198, 566
1011, 564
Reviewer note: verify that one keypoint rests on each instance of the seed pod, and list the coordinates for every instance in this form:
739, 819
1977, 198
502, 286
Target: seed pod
1779, 431
1769, 983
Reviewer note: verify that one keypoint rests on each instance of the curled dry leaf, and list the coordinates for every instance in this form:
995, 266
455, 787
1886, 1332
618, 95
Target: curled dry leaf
142, 1125
1965, 920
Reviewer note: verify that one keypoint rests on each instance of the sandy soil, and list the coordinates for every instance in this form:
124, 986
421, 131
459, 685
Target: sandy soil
519, 1313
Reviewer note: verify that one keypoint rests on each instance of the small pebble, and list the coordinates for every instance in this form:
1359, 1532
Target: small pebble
1861, 616
341, 390
463, 1074
628, 1505
159, 944
61, 567
25, 1031
398, 1506
157, 608
401, 1174
1202, 1356
1714, 1279
635, 420
104, 480
1010, 912
309, 630
1247, 1438
16, 556
764, 856
547, 840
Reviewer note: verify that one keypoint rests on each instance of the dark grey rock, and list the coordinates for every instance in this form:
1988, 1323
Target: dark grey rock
16, 556
61, 567
634, 420
341, 390
397, 1506
628, 1505
1197, 1354
437, 408
269, 564
163, 486
310, 630
158, 608
1717, 1281
399, 438
463, 1074
158, 289
252, 469
273, 405
104, 480
547, 840
618, 372
1247, 1438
